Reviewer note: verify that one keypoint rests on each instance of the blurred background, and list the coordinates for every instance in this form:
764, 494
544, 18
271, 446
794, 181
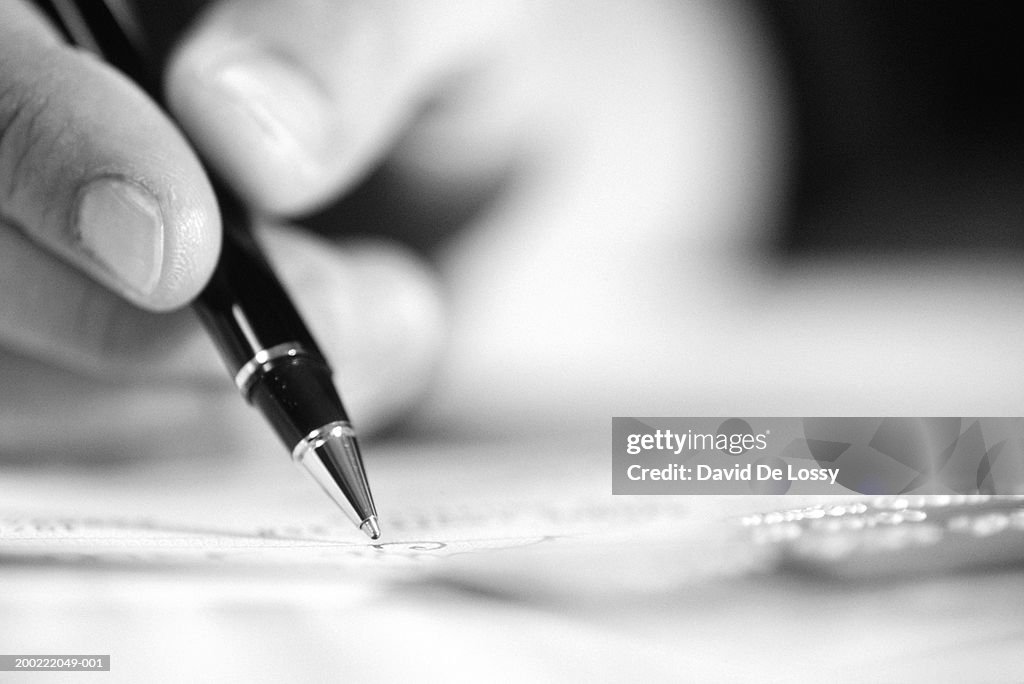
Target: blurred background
904, 123
909, 133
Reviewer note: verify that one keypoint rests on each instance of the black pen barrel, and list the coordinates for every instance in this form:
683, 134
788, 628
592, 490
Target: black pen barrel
262, 338
244, 306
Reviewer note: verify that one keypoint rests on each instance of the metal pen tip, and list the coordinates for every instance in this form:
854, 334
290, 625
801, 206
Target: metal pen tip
331, 455
371, 528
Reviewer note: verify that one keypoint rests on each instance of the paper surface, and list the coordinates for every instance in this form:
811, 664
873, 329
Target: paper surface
503, 557
435, 503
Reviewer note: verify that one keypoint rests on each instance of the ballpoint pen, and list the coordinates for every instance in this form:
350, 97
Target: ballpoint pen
275, 363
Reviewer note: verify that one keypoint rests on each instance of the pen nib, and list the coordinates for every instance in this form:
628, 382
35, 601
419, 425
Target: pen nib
331, 455
371, 528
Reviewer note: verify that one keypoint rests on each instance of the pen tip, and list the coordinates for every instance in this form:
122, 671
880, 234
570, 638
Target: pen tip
332, 457
371, 528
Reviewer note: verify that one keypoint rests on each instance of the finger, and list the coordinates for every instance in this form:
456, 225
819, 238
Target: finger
91, 170
292, 101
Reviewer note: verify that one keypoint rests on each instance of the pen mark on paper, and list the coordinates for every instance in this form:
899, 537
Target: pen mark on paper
93, 541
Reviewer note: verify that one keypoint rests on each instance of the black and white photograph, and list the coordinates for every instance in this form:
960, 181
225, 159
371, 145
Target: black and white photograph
511, 341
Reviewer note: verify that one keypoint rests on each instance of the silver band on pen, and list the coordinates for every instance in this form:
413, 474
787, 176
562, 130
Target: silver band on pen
316, 439
247, 373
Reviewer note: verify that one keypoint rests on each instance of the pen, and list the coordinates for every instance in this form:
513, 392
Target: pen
275, 363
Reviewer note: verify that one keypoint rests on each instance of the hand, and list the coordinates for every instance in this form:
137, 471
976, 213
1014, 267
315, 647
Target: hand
107, 217
625, 134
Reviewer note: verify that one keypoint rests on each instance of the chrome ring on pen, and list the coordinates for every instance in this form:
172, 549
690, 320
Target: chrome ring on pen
316, 438
247, 373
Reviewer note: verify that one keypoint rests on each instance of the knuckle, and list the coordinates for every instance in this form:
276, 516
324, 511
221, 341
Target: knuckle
21, 132
30, 130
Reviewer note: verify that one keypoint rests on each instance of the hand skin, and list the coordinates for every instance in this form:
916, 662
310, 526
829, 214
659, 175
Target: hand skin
619, 269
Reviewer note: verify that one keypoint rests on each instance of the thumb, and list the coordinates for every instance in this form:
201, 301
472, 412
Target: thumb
92, 171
